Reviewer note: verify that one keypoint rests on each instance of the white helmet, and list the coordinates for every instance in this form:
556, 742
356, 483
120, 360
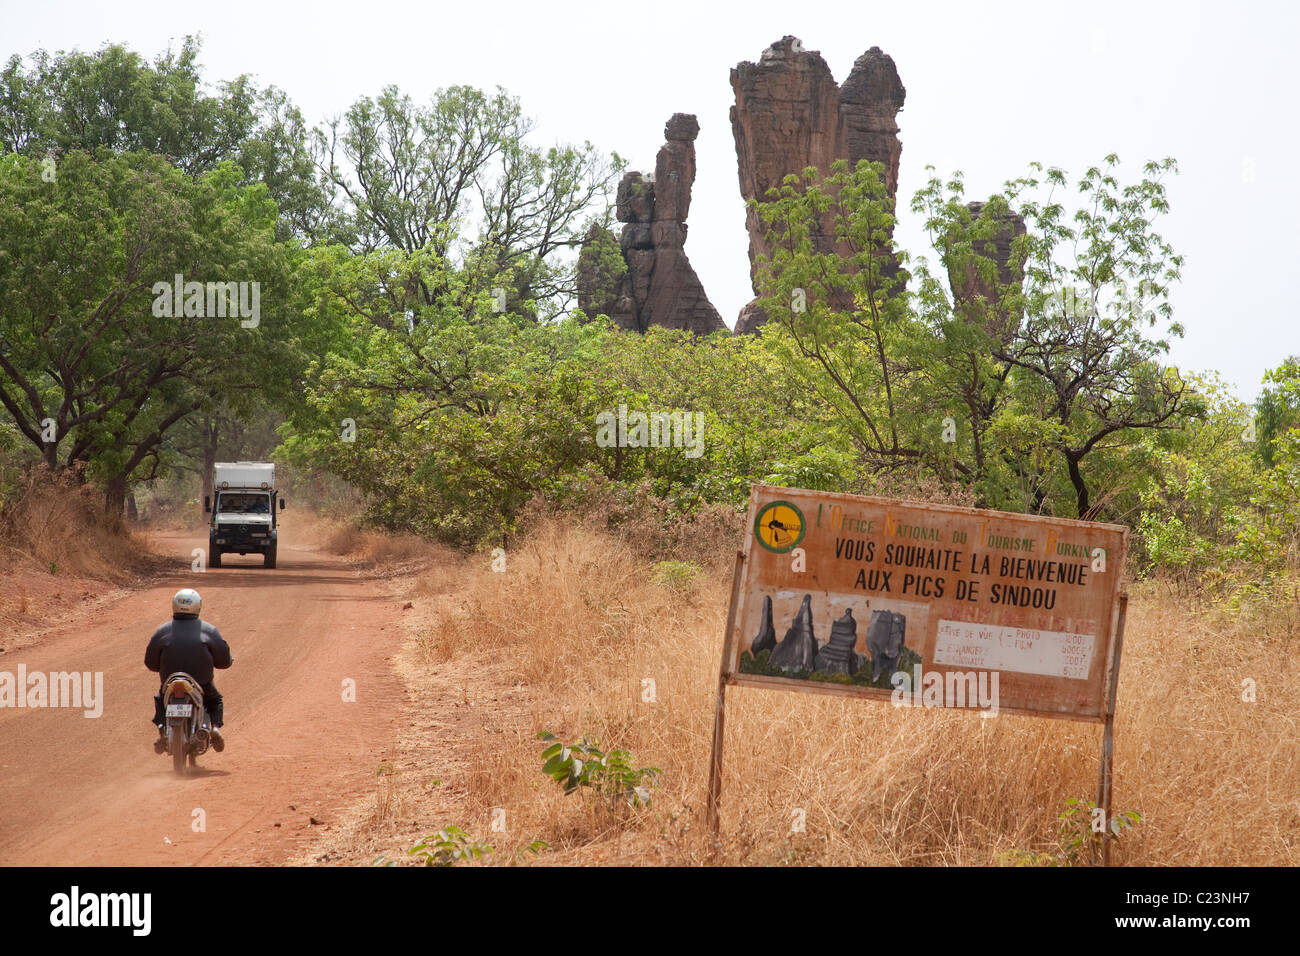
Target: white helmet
187, 601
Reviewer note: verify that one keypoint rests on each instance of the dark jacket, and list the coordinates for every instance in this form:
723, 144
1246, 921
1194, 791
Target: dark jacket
190, 645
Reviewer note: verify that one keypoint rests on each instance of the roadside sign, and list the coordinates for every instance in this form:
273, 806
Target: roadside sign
925, 605
880, 597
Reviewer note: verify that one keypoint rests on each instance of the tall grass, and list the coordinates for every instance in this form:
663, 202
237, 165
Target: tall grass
582, 621
52, 523
367, 548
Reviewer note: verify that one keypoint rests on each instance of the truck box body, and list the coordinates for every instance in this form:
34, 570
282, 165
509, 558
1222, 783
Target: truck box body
243, 474
243, 509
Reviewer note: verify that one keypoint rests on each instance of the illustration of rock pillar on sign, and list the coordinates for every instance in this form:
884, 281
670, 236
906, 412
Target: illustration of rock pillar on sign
838, 656
886, 635
798, 649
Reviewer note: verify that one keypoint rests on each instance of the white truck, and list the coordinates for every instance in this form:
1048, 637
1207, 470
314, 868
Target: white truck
243, 511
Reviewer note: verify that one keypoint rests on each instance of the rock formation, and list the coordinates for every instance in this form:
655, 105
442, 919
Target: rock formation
765, 639
790, 114
976, 298
659, 286
838, 656
798, 649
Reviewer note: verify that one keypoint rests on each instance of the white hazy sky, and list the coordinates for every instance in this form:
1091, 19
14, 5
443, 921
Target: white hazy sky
990, 87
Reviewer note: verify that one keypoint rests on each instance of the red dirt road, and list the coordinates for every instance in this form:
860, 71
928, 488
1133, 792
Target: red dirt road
79, 791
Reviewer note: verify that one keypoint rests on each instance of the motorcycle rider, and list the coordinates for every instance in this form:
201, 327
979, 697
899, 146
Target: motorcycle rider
196, 647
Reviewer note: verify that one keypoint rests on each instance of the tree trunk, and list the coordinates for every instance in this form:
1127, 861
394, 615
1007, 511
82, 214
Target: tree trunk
1080, 487
210, 433
115, 496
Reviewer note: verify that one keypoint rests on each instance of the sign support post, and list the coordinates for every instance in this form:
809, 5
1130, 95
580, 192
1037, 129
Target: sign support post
719, 714
1108, 736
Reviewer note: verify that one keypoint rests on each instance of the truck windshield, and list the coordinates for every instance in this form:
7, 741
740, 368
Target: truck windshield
246, 504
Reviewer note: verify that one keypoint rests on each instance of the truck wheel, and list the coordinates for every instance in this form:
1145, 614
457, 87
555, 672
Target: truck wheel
269, 559
215, 560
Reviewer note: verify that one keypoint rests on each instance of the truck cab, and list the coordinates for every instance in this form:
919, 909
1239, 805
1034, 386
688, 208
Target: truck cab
244, 517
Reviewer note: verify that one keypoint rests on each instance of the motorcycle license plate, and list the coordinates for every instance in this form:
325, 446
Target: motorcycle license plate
180, 710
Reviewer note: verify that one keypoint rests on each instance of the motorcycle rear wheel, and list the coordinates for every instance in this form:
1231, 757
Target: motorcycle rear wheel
176, 744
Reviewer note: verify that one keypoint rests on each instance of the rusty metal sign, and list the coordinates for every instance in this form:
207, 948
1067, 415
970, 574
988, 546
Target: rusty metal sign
928, 605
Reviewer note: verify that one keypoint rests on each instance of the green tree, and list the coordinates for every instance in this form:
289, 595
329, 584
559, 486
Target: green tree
1024, 373
114, 98
90, 371
1278, 407
458, 177
1094, 282
839, 321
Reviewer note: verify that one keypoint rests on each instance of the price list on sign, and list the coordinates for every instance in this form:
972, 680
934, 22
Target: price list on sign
1020, 649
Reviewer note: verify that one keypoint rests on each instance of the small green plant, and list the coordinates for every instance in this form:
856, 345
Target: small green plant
1081, 828
535, 848
609, 774
676, 575
448, 847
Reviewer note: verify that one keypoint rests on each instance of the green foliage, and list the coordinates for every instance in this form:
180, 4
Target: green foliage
82, 345
1278, 407
602, 266
453, 845
532, 849
113, 99
448, 847
838, 316
1079, 837
611, 774
412, 174
760, 664
1079, 833
1031, 383
465, 415
1216, 512
676, 575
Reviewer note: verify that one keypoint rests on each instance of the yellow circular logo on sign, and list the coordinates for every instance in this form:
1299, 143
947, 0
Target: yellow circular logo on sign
779, 526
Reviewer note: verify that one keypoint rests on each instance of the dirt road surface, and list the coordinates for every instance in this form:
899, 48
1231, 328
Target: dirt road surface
77, 790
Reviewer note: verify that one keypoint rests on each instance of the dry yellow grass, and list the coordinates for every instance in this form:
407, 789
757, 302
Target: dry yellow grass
367, 548
577, 625
61, 556
53, 524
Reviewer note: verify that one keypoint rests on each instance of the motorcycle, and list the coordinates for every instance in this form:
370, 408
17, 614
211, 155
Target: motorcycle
188, 728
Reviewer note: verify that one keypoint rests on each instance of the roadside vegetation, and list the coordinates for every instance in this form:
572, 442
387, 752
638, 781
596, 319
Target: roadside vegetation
419, 370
